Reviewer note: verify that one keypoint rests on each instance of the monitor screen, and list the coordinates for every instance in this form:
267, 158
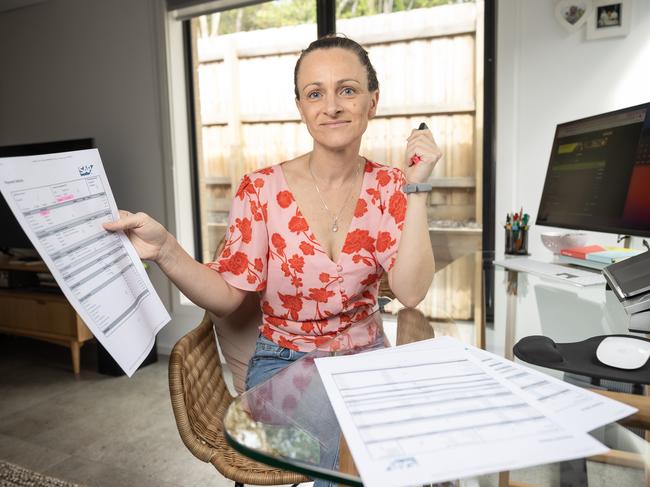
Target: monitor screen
12, 235
598, 177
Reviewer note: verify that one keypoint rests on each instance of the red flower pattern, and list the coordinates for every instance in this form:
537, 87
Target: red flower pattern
307, 248
297, 262
283, 342
361, 208
397, 207
278, 242
267, 309
275, 321
320, 294
306, 298
298, 224
385, 241
291, 303
285, 198
244, 226
237, 263
242, 187
296, 282
383, 178
357, 240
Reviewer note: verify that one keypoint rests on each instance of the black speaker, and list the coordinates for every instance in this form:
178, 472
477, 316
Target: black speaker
108, 366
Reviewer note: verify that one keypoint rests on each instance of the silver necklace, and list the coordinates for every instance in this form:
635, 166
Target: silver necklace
335, 223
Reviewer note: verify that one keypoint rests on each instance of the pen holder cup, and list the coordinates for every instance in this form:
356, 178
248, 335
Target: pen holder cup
517, 241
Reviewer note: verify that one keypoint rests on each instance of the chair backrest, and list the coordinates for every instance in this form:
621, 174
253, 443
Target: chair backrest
198, 391
237, 334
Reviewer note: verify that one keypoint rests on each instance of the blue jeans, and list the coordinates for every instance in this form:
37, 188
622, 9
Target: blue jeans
269, 359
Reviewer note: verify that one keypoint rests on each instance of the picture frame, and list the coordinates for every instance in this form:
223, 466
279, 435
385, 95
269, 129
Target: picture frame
572, 14
609, 18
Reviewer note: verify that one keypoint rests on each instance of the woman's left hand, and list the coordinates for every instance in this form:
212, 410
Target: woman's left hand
422, 154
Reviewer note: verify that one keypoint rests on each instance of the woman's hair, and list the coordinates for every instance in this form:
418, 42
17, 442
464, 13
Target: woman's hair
331, 41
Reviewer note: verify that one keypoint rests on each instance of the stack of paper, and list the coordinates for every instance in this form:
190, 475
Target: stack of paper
439, 410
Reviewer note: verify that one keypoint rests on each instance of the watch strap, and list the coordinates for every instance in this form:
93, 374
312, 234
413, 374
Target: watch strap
417, 188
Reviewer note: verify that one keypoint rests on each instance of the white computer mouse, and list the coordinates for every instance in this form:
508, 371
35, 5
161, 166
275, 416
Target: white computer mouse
623, 352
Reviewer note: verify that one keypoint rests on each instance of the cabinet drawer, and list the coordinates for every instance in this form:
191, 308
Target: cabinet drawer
46, 315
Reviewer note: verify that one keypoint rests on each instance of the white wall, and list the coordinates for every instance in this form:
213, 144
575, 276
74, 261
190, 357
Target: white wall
546, 76
91, 68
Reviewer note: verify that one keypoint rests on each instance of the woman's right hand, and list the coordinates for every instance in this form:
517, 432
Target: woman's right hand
147, 235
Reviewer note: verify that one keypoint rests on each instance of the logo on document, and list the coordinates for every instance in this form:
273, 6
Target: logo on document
402, 464
86, 170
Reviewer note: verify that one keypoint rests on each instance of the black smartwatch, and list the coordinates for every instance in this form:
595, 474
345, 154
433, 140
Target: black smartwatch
417, 188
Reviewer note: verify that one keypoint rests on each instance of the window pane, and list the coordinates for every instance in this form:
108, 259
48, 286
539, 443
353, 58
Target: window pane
429, 64
279, 13
428, 71
347, 9
428, 60
246, 115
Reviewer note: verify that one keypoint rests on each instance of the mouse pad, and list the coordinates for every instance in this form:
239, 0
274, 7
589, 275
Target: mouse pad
578, 358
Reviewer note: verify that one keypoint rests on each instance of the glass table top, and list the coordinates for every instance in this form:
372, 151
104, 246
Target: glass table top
288, 422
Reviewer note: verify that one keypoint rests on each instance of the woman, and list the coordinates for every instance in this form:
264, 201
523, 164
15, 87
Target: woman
313, 235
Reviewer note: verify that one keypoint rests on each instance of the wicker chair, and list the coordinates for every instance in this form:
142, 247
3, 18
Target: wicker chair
200, 399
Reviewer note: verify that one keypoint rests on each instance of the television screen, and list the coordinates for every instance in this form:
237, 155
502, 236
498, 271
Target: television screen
12, 235
598, 176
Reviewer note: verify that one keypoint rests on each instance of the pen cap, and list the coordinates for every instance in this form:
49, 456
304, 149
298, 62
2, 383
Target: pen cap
423, 126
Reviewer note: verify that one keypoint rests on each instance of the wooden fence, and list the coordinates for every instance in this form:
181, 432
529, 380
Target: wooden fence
429, 65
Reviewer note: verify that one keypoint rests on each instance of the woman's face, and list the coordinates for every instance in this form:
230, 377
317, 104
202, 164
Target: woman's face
334, 99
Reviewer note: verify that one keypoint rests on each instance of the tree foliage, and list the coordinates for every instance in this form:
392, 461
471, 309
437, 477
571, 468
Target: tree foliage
281, 13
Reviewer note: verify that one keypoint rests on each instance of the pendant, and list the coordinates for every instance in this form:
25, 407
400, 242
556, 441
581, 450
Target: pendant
335, 227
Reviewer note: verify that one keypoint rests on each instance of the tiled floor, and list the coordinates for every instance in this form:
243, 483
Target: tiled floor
103, 431
98, 431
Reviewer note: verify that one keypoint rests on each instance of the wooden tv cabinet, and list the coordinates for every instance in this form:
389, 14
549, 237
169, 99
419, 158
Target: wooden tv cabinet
41, 315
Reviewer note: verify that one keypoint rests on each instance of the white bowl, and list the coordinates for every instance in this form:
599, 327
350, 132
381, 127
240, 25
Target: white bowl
555, 242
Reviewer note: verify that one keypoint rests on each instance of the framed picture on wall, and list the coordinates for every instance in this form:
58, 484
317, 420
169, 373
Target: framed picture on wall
572, 14
609, 18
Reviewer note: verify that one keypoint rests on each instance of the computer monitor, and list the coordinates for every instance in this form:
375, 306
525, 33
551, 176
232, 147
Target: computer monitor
598, 176
12, 235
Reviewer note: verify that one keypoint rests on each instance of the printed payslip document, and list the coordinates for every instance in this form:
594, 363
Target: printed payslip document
436, 411
61, 201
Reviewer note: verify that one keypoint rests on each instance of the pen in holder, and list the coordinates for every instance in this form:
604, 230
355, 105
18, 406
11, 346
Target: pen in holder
516, 228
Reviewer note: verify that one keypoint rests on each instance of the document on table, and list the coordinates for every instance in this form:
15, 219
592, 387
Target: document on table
415, 417
580, 408
573, 405
61, 201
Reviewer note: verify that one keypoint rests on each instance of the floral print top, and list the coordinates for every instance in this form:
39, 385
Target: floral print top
306, 298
